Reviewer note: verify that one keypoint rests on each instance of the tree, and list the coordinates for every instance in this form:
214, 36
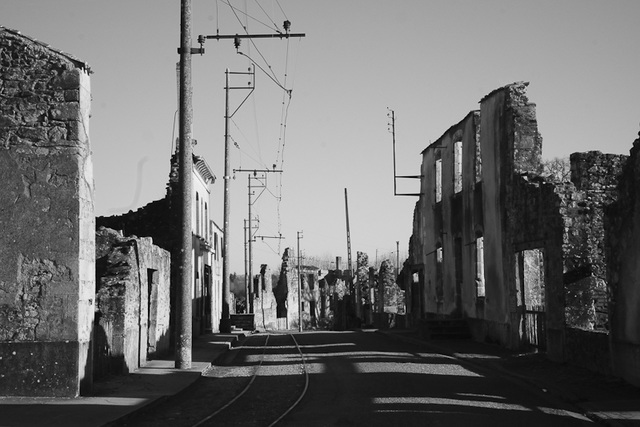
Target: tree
557, 169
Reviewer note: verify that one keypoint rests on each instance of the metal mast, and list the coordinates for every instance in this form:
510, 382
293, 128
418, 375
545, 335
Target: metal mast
250, 235
225, 321
392, 129
299, 285
354, 286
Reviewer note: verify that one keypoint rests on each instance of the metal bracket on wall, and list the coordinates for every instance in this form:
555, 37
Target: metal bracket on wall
392, 116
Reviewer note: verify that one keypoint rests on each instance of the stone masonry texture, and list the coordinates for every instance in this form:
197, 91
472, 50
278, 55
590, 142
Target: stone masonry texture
47, 244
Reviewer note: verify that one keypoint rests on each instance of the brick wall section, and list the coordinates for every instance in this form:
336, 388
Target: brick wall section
47, 220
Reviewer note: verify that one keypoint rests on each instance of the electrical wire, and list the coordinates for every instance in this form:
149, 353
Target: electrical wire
286, 101
267, 15
234, 9
274, 79
281, 10
217, 18
260, 162
250, 40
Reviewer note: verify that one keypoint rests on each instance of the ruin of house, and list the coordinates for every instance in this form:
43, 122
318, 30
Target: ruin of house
520, 257
157, 220
132, 303
47, 244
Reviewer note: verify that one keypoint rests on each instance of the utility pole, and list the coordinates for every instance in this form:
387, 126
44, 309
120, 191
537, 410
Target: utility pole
225, 321
246, 278
250, 236
250, 258
185, 164
392, 129
354, 286
299, 235
397, 258
247, 288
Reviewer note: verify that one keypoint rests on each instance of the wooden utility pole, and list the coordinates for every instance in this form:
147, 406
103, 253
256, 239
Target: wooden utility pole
183, 294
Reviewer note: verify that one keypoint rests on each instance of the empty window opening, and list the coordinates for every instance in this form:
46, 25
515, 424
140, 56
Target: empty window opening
197, 213
457, 167
206, 221
478, 159
480, 288
530, 279
439, 273
530, 294
438, 180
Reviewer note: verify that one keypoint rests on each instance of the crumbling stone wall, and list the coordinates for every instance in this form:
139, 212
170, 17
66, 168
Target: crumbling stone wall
595, 176
622, 225
47, 244
264, 302
281, 291
132, 302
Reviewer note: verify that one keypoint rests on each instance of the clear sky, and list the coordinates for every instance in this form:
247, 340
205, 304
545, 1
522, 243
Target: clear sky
430, 61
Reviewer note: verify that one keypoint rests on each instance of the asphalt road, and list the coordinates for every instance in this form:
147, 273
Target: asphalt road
366, 379
354, 379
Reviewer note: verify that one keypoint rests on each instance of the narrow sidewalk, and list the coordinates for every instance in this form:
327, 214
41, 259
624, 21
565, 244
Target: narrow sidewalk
606, 400
118, 396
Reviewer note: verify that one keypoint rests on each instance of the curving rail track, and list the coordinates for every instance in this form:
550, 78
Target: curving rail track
235, 411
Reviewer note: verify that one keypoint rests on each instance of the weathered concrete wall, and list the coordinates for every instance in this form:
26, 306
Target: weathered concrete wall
47, 220
132, 302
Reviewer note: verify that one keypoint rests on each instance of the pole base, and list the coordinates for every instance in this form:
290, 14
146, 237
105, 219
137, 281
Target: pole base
225, 326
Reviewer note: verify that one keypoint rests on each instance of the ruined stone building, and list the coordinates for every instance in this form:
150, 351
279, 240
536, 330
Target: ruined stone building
132, 303
158, 220
520, 257
47, 243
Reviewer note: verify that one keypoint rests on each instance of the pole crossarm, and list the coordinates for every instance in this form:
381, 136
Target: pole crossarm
392, 116
269, 237
250, 36
255, 171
